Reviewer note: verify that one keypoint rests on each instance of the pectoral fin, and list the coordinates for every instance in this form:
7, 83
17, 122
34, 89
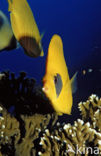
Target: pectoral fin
74, 83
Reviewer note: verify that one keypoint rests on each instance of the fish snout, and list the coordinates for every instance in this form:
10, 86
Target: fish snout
45, 89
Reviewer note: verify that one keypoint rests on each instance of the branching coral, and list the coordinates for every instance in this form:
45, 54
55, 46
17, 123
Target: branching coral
69, 140
23, 94
17, 137
26, 130
91, 111
9, 131
33, 125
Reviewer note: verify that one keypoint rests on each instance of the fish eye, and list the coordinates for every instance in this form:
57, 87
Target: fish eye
55, 79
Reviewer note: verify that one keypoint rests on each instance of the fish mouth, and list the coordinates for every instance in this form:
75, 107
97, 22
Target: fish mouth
45, 89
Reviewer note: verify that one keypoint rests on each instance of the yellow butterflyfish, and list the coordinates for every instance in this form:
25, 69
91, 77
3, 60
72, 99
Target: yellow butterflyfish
25, 28
7, 39
56, 83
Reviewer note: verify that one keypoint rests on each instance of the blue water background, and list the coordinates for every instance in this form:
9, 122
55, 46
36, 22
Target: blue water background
78, 22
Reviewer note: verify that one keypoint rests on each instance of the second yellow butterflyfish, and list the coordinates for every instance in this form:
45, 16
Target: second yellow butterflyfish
25, 28
56, 83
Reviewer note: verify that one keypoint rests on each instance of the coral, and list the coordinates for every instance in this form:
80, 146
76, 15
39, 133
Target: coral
91, 111
30, 127
16, 137
65, 139
19, 122
33, 125
22, 93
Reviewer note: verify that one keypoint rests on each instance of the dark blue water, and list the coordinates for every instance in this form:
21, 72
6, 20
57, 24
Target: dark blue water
78, 22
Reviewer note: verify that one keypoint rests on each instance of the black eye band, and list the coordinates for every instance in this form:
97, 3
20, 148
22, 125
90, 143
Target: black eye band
58, 84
